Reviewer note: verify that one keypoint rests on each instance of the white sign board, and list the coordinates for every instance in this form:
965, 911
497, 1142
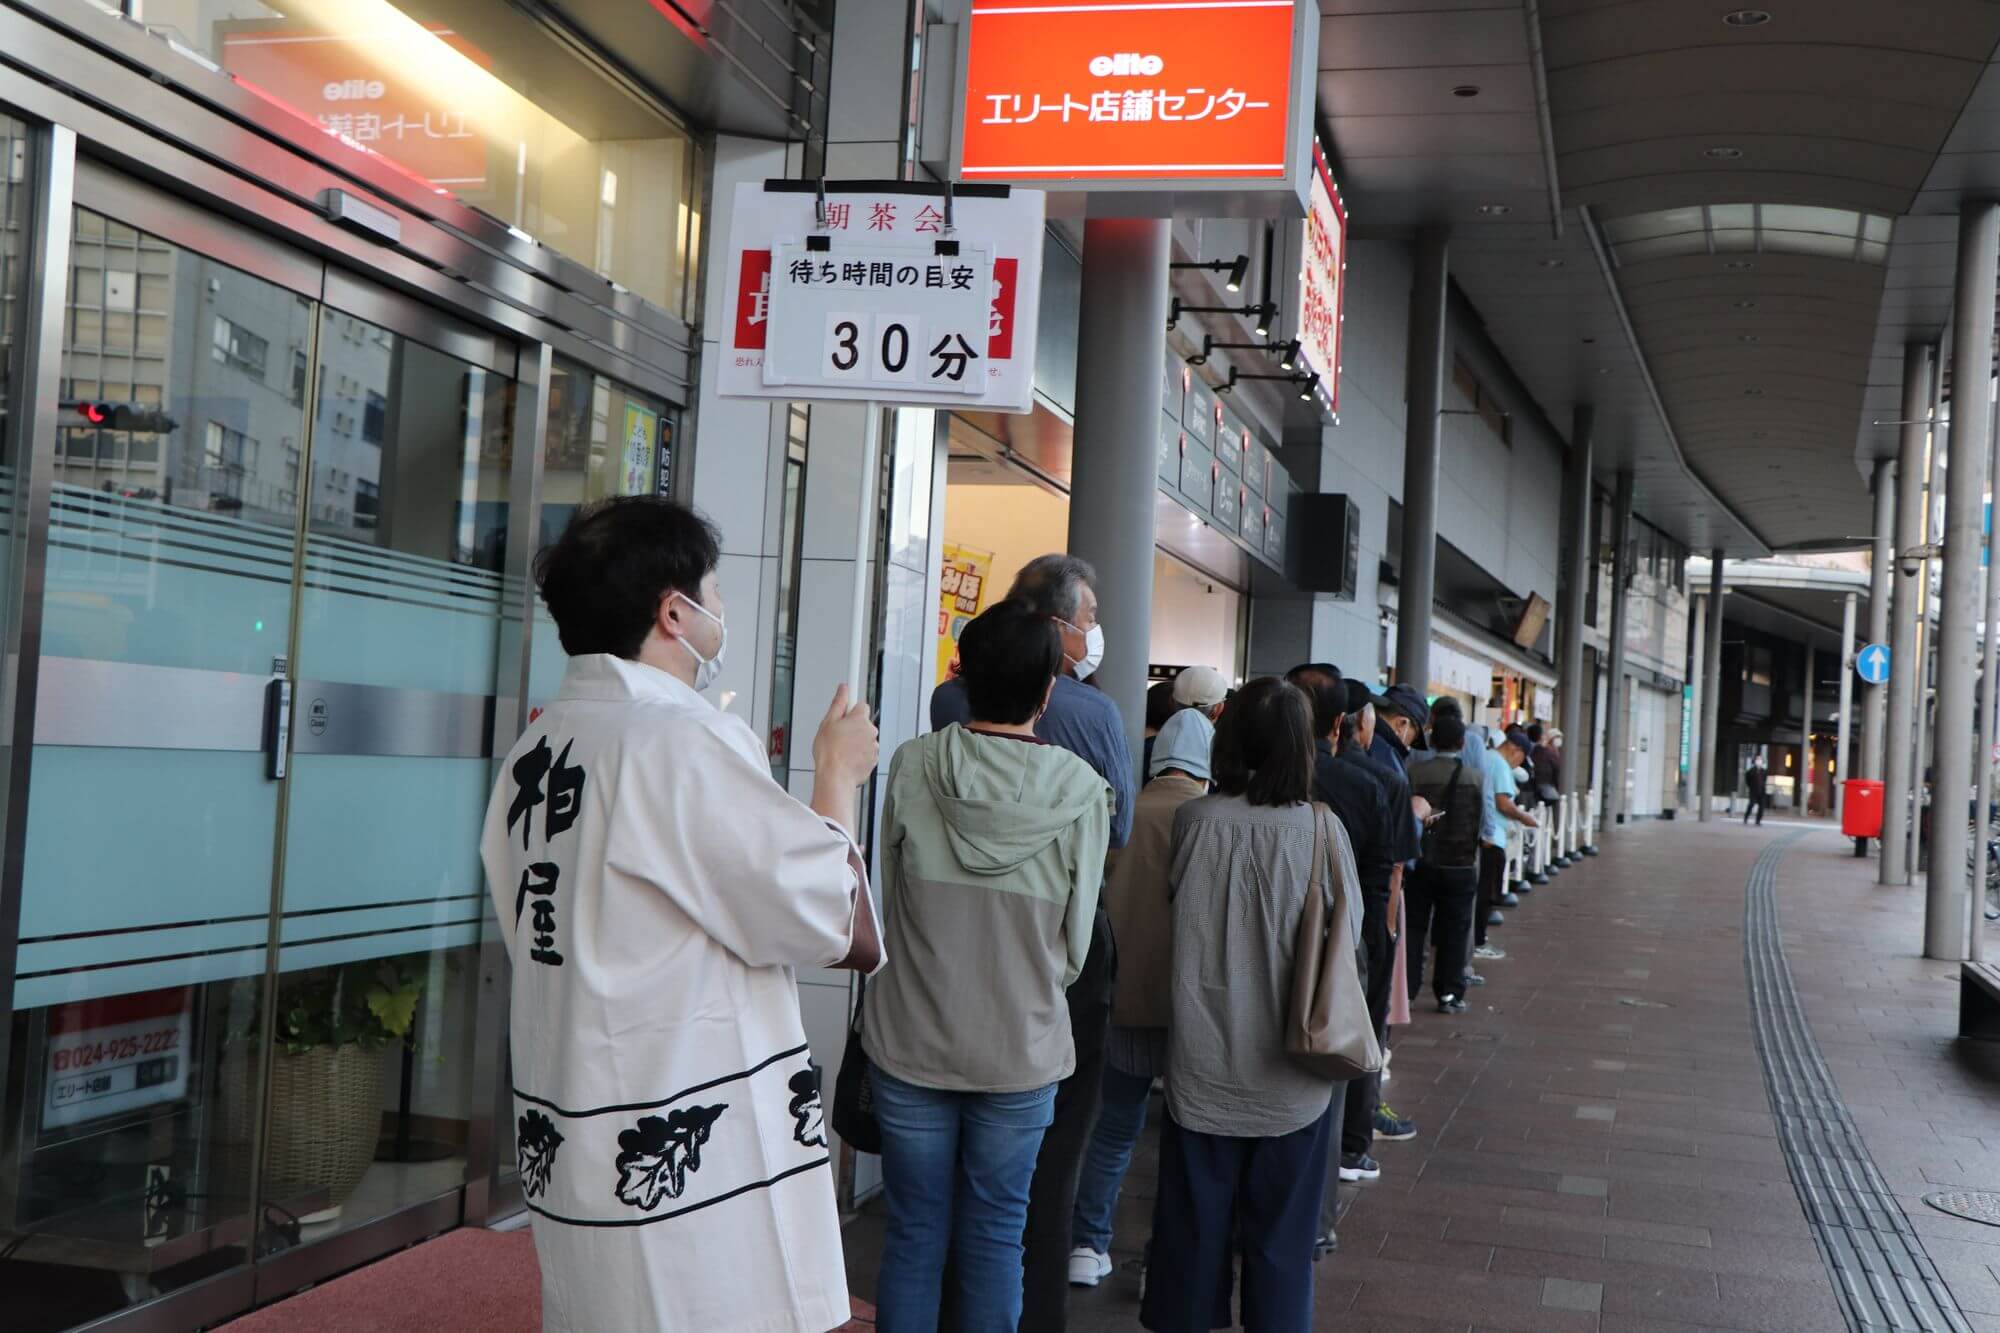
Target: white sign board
888, 319
1322, 283
117, 1054
867, 305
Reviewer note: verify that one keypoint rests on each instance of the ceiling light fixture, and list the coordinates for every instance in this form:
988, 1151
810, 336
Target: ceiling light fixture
1740, 265
1552, 263
1494, 210
1746, 337
1236, 269
1746, 305
1723, 154
1747, 18
1753, 393
1466, 90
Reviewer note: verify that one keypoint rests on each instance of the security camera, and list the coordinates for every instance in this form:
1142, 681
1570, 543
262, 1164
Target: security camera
1910, 565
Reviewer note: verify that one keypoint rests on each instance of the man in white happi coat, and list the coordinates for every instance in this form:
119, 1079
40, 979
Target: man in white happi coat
655, 888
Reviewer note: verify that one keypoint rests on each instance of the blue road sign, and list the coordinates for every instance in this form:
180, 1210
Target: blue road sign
1872, 664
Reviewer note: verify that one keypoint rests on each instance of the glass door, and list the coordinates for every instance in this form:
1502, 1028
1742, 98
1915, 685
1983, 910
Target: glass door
140, 999
400, 648
272, 659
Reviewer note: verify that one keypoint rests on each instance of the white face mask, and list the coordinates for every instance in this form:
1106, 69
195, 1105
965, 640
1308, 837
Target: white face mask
706, 669
1093, 650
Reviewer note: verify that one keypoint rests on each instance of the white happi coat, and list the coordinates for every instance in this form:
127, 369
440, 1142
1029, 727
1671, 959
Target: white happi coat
655, 886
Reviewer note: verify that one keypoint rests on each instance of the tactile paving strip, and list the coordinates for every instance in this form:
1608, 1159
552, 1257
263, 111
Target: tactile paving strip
1876, 1259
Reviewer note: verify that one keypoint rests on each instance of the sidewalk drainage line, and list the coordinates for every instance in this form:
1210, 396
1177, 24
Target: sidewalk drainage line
1876, 1260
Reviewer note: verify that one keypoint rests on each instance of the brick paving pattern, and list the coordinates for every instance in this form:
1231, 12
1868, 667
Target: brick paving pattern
1596, 1149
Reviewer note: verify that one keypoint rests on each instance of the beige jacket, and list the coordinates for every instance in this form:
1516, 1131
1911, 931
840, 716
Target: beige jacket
1135, 895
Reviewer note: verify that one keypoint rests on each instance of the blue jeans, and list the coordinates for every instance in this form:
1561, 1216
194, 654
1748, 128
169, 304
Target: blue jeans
1120, 1122
956, 1167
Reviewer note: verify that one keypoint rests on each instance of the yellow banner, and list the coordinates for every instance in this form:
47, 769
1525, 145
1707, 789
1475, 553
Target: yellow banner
961, 595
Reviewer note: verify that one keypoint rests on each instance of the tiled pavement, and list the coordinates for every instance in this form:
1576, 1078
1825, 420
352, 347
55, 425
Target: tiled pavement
1596, 1149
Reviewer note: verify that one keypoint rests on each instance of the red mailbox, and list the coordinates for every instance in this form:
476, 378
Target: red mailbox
1861, 815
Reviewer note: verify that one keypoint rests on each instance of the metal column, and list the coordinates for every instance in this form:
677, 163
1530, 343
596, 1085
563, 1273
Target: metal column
1846, 706
1905, 674
1122, 340
1711, 677
1881, 567
1802, 789
1572, 591
1425, 391
1945, 906
1617, 724
1696, 681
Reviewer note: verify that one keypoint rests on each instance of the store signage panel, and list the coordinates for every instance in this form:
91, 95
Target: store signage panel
1274, 532
1229, 444
1228, 502
1089, 95
1322, 286
1173, 385
1198, 415
876, 300
1170, 450
1198, 476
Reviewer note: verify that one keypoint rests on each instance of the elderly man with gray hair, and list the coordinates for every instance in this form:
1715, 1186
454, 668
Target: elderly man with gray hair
1085, 722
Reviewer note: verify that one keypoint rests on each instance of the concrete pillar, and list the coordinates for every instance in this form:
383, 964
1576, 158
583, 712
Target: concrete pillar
1905, 606
1572, 592
1618, 723
1711, 677
1945, 905
1698, 613
1802, 789
1840, 760
1121, 342
1421, 443
1881, 568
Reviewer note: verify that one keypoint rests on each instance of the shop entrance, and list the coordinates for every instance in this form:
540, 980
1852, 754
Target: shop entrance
999, 516
278, 657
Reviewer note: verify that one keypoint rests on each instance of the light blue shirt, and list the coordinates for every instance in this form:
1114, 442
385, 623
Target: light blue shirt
1494, 830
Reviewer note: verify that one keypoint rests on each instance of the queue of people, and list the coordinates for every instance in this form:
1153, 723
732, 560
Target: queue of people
1061, 937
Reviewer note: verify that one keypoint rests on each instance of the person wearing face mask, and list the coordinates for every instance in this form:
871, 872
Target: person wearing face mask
655, 890
1087, 724
993, 846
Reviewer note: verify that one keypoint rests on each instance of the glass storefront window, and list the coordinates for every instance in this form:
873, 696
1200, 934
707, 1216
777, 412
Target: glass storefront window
478, 100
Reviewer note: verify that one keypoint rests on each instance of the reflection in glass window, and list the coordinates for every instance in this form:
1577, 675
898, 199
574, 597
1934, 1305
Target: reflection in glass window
478, 100
605, 439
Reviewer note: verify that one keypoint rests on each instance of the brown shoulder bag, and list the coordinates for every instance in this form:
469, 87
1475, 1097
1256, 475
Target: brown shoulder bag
1327, 1029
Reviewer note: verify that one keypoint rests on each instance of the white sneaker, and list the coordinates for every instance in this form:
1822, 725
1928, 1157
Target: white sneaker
1386, 1053
1087, 1267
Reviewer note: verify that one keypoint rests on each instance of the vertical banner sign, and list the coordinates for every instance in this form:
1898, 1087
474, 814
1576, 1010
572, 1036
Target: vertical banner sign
882, 298
961, 593
1687, 723
1195, 95
1322, 282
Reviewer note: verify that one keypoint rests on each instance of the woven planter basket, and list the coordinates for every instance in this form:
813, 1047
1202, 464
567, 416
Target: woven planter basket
326, 1116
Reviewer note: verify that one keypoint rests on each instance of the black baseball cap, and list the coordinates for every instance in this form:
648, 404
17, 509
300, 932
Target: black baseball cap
1404, 699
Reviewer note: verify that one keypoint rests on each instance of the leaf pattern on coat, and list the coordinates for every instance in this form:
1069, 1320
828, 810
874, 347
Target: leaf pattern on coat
535, 1146
809, 1124
656, 1155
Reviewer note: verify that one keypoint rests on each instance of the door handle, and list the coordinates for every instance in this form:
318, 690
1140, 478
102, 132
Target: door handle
277, 728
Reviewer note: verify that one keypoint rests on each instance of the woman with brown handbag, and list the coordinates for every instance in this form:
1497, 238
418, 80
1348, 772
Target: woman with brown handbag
1243, 1151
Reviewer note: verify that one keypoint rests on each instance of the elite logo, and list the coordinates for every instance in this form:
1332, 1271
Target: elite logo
1126, 64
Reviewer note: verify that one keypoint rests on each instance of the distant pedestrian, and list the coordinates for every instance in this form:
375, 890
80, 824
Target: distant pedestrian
1758, 781
1444, 889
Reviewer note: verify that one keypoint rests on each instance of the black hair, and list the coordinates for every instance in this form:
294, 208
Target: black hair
1263, 747
1448, 705
1535, 732
1325, 691
1160, 704
1007, 656
1447, 728
604, 579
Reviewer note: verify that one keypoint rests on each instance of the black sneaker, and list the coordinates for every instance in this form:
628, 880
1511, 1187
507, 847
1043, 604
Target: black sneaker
1325, 1245
1452, 1004
1474, 979
1389, 1125
1359, 1166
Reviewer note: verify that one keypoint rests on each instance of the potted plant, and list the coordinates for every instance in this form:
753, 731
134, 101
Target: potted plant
325, 1075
